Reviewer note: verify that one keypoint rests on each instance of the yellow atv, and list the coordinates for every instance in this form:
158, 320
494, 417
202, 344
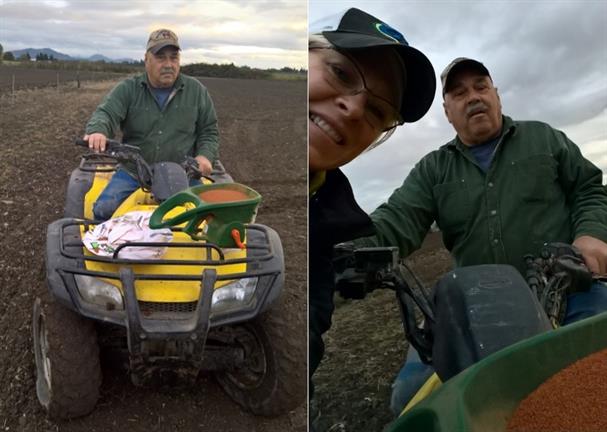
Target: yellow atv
208, 302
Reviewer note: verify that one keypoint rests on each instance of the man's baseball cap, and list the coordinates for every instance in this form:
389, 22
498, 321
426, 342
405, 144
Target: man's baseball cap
459, 64
357, 30
161, 38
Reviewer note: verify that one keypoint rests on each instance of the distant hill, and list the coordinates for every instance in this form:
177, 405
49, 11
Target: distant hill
99, 57
33, 52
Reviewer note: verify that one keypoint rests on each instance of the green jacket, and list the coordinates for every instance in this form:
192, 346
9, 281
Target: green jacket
539, 188
187, 126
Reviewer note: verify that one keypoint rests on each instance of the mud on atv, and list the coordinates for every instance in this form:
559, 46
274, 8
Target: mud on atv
200, 307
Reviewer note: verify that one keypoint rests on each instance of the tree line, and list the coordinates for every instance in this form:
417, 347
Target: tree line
232, 71
9, 56
197, 69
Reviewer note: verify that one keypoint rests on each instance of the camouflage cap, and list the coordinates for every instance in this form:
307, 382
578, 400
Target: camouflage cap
460, 63
160, 39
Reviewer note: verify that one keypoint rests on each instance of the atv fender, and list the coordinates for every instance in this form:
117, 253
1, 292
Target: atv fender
79, 184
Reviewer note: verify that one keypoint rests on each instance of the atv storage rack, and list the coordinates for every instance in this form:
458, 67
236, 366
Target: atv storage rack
67, 257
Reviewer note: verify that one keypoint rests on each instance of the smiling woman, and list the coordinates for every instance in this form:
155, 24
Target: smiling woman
364, 81
364, 116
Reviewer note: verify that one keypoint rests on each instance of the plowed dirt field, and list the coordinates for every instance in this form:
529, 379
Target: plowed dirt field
263, 145
365, 349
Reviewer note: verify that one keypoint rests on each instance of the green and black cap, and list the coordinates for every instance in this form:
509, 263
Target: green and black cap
354, 30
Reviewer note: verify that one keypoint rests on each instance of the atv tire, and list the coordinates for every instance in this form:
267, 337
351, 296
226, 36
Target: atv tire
68, 371
273, 380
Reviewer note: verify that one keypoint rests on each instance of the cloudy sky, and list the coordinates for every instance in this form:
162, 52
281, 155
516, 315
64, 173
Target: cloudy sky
257, 33
548, 59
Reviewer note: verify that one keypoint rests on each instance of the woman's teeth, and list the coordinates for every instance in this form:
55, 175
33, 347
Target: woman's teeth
325, 127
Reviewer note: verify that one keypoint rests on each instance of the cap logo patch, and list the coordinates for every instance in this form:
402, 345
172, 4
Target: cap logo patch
390, 33
163, 34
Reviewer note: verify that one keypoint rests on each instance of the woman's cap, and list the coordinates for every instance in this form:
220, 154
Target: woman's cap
357, 30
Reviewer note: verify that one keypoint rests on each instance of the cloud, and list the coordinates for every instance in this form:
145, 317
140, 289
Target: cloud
548, 59
259, 34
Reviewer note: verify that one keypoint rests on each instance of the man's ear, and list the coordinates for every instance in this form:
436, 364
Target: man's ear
499, 99
447, 112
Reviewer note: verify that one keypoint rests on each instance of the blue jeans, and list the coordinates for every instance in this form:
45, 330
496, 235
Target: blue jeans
409, 380
120, 186
586, 304
414, 373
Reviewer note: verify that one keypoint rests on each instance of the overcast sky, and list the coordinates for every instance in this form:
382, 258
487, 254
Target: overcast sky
547, 58
260, 33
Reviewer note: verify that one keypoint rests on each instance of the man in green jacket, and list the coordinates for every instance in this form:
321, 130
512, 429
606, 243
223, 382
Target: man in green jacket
168, 115
498, 191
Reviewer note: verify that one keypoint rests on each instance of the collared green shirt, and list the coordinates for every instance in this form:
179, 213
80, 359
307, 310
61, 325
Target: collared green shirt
186, 126
539, 188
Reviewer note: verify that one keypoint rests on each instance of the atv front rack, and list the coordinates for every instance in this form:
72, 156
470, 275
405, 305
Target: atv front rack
66, 258
97, 162
169, 336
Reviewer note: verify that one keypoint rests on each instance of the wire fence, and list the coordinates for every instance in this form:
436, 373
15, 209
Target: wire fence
13, 78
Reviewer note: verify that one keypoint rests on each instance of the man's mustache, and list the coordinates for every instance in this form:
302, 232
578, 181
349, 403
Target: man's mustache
475, 108
163, 71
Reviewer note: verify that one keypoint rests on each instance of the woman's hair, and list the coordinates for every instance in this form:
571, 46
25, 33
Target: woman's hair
318, 41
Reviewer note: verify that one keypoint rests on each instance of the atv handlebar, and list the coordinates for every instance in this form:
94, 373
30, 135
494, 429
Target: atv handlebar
361, 271
192, 169
559, 270
111, 146
125, 153
128, 153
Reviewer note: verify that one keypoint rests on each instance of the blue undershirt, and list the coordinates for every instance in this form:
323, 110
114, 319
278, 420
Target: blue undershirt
483, 153
161, 95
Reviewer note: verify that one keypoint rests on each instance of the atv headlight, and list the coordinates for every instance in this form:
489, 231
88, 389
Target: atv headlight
94, 290
234, 296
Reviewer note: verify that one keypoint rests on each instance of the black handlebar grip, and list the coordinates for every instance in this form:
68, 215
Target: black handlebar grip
110, 144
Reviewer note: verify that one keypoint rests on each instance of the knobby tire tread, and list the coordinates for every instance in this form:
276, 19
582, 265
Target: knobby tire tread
75, 365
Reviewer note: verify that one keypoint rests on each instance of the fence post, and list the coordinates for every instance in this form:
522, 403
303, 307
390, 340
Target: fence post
78, 78
13, 89
57, 82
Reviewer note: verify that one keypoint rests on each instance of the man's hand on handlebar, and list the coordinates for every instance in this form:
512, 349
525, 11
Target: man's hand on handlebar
594, 252
204, 165
97, 141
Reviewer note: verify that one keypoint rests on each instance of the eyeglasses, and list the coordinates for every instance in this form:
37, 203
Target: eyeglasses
343, 74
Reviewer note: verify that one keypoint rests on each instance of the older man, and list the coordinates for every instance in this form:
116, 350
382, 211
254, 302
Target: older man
499, 190
166, 114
